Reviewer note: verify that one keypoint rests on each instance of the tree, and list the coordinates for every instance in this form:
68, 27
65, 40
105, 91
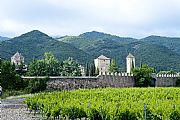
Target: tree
52, 65
92, 69
37, 68
0, 65
97, 71
49, 66
8, 77
87, 69
113, 67
142, 76
70, 68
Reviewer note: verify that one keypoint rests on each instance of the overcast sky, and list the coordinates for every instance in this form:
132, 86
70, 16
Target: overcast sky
128, 18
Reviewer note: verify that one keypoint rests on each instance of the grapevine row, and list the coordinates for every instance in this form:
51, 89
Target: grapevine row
109, 103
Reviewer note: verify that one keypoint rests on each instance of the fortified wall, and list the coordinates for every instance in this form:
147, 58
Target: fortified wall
166, 80
119, 80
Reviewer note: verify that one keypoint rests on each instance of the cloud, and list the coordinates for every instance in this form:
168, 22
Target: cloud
134, 18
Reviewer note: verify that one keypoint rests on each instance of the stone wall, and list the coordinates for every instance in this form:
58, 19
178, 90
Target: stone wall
69, 83
119, 80
166, 80
101, 81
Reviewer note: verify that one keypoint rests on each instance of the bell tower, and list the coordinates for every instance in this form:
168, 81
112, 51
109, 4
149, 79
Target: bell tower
130, 62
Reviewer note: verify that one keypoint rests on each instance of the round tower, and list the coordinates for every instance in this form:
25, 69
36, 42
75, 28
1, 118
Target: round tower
130, 62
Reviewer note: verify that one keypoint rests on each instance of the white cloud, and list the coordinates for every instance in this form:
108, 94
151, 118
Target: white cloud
134, 18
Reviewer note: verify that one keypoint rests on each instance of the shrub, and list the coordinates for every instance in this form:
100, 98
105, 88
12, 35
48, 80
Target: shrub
36, 85
178, 82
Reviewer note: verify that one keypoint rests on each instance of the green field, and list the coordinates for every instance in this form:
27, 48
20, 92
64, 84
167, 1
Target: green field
110, 103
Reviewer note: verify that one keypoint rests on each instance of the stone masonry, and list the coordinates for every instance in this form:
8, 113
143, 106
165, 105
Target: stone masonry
120, 80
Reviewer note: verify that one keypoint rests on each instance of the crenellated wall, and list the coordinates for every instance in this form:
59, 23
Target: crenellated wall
118, 80
166, 80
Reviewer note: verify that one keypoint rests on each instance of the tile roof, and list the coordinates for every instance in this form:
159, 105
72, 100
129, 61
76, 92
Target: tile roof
103, 57
130, 56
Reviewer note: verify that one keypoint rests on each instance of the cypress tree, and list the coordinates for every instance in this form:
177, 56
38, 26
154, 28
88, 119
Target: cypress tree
113, 67
92, 69
97, 71
87, 69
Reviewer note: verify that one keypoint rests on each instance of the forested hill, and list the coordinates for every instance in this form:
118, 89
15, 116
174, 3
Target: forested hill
172, 43
163, 53
34, 44
4, 38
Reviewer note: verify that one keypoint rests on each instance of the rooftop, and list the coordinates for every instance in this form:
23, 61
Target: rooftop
130, 56
17, 55
103, 57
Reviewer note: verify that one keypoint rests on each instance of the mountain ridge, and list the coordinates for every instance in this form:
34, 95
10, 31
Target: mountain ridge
119, 47
3, 38
34, 44
163, 53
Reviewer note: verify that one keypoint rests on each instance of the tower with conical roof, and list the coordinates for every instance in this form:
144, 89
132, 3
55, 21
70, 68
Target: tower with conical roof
130, 62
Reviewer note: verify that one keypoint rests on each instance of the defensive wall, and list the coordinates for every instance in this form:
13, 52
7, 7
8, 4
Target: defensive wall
117, 80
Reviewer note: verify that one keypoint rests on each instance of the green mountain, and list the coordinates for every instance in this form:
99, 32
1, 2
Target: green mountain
34, 44
163, 53
172, 43
154, 52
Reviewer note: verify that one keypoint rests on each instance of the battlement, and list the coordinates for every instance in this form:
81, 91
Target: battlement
167, 75
117, 80
124, 74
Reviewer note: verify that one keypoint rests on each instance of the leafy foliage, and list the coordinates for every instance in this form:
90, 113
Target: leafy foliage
36, 85
113, 67
70, 68
159, 52
142, 76
34, 44
50, 66
109, 104
178, 82
91, 70
8, 77
172, 43
87, 69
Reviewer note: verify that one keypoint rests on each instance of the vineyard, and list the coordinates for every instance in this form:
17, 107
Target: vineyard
109, 104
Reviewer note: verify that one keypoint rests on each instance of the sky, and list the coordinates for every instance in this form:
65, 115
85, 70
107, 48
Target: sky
126, 18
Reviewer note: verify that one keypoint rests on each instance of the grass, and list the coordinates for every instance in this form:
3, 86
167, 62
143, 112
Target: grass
10, 94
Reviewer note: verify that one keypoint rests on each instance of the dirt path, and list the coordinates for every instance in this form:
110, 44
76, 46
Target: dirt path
14, 109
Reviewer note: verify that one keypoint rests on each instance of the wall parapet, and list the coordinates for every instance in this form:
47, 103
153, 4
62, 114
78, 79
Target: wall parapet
60, 77
167, 75
118, 80
123, 74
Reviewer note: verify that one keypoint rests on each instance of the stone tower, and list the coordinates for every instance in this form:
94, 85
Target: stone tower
130, 61
102, 63
17, 59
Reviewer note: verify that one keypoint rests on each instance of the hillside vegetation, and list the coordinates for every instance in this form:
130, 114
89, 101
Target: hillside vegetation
34, 44
163, 53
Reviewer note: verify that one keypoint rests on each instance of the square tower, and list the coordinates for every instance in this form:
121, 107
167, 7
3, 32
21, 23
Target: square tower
102, 63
